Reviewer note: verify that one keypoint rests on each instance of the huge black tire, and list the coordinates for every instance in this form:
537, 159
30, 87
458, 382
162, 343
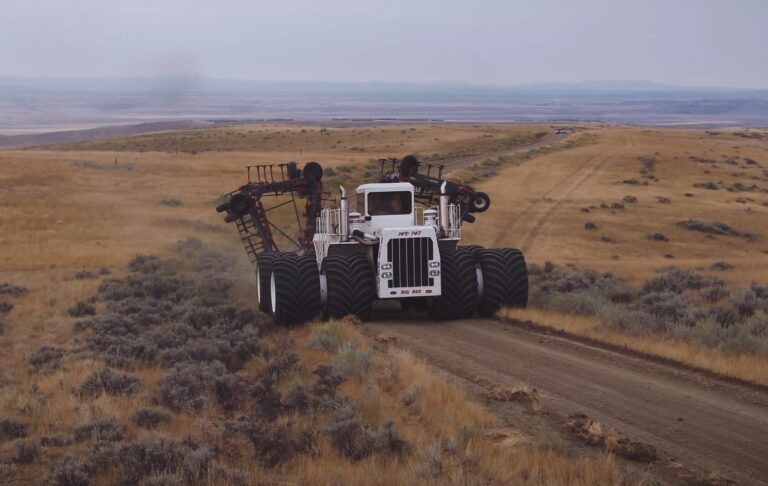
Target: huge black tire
309, 300
517, 277
350, 286
295, 289
473, 250
263, 275
495, 285
458, 297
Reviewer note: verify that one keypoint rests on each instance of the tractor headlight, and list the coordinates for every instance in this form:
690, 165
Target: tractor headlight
386, 266
386, 275
434, 264
434, 273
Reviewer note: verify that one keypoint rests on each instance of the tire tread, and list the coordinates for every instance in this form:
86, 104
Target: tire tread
350, 284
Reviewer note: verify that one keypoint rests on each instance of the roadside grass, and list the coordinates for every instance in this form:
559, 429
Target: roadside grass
541, 206
490, 144
490, 167
298, 141
87, 217
173, 380
682, 315
745, 367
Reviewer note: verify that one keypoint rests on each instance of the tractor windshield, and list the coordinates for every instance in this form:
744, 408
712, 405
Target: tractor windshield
384, 203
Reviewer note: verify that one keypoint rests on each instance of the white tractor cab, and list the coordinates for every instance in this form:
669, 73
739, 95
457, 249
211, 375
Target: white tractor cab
400, 241
397, 240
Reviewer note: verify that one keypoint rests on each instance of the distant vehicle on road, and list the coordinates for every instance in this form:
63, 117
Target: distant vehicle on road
560, 131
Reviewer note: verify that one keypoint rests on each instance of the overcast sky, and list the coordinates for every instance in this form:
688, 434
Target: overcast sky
685, 42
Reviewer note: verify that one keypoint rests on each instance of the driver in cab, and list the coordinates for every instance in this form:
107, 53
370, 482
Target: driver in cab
382, 204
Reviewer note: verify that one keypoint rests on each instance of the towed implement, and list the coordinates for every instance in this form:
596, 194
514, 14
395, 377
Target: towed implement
395, 239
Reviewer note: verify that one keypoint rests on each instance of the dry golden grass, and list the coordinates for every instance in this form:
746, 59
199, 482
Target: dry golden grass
439, 418
61, 216
747, 367
308, 141
536, 206
540, 206
445, 428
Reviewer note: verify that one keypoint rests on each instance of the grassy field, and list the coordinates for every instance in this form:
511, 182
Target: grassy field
90, 392
636, 203
615, 199
631, 184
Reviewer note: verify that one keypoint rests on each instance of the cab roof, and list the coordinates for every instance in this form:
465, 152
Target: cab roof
385, 187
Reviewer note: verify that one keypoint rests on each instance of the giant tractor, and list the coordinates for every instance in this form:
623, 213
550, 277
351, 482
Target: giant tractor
395, 239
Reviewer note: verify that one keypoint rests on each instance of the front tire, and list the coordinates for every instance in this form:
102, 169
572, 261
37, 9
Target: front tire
473, 250
495, 285
458, 295
294, 289
517, 271
350, 286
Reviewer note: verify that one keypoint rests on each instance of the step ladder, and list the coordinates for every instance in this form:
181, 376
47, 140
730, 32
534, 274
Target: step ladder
256, 234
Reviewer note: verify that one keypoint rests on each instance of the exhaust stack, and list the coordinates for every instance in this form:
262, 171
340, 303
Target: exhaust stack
344, 216
444, 223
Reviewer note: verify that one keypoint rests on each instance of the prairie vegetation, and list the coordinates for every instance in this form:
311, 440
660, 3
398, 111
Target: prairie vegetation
156, 369
542, 205
118, 367
679, 314
430, 141
173, 381
678, 269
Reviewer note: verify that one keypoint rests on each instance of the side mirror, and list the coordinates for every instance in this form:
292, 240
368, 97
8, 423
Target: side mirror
367, 218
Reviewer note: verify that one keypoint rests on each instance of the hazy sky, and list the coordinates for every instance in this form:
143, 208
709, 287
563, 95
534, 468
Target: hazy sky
688, 42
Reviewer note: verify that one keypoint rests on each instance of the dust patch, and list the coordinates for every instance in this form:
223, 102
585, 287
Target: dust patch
528, 396
594, 433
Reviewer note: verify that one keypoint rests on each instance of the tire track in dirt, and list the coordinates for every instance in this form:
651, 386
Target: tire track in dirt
700, 422
529, 238
455, 163
534, 220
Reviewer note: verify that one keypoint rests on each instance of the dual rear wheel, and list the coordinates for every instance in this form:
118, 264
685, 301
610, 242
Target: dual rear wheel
474, 280
290, 287
504, 279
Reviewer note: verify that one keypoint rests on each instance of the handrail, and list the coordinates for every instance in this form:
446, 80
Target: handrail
329, 223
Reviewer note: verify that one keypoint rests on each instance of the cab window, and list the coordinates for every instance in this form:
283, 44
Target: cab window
384, 203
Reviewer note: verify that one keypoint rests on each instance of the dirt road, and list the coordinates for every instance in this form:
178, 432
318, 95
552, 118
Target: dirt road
705, 424
455, 163
533, 217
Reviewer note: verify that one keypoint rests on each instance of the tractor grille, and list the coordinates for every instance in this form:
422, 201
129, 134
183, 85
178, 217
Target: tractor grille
410, 262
